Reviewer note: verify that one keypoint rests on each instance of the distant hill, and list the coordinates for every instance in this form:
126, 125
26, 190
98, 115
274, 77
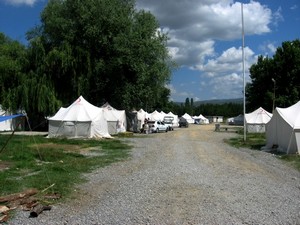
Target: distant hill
217, 101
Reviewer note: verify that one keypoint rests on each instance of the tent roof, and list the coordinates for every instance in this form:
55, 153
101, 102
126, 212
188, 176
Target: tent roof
291, 115
258, 116
187, 116
79, 110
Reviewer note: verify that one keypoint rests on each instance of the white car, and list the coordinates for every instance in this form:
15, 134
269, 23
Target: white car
157, 126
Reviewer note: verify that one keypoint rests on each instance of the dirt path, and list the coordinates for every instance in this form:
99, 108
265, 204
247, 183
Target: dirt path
188, 176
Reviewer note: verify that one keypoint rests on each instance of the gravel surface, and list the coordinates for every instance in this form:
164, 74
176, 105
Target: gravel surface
187, 176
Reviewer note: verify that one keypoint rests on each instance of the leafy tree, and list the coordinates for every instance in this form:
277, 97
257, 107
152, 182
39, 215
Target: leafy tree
12, 56
22, 86
104, 50
279, 75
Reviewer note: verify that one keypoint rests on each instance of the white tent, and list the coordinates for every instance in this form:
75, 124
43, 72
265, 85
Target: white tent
238, 120
14, 122
142, 115
6, 125
116, 119
176, 119
256, 120
283, 130
156, 116
201, 119
188, 118
80, 120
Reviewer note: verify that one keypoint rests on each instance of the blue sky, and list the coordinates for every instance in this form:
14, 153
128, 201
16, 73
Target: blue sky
205, 38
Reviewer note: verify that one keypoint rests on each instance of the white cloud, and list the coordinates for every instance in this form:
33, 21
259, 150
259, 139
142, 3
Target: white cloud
230, 61
294, 7
194, 26
277, 15
227, 86
172, 89
21, 2
268, 48
200, 34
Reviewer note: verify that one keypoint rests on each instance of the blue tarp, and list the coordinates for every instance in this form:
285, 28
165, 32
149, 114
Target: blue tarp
3, 118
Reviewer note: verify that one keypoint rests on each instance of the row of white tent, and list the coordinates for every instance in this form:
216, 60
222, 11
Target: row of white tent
155, 116
198, 119
159, 116
84, 120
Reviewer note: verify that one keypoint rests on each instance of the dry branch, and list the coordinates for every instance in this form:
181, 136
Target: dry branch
20, 195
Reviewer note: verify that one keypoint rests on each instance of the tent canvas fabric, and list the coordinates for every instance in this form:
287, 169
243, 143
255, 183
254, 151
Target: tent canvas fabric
257, 120
201, 119
176, 119
238, 120
188, 118
156, 116
6, 125
116, 119
10, 121
283, 130
141, 116
80, 120
132, 122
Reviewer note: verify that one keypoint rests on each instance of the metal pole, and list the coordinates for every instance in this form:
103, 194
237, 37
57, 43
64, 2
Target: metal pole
244, 82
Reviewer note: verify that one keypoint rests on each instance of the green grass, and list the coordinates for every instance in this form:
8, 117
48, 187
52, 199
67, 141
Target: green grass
293, 160
255, 141
39, 162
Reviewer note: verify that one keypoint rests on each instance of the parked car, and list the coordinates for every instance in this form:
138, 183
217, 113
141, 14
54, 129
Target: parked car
168, 120
157, 126
183, 122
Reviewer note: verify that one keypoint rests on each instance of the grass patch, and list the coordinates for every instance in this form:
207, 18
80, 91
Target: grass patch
257, 140
253, 141
293, 160
38, 162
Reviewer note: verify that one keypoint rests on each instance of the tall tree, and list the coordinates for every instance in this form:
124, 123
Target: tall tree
275, 80
12, 56
104, 50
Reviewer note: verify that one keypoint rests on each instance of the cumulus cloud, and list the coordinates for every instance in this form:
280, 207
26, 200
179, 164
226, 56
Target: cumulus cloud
227, 86
21, 2
268, 48
229, 61
194, 26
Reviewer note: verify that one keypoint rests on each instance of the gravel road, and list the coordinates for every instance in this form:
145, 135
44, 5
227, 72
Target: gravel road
187, 176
